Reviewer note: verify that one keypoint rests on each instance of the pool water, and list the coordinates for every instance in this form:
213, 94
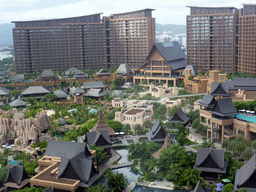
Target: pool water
247, 118
150, 189
124, 153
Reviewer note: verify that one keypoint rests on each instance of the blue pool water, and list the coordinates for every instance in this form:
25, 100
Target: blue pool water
247, 118
13, 162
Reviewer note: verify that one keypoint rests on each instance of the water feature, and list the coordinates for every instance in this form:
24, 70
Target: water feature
151, 189
247, 118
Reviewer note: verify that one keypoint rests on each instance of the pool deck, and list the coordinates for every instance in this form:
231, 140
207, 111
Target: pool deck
156, 184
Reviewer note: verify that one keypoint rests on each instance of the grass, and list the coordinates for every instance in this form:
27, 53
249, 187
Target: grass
196, 147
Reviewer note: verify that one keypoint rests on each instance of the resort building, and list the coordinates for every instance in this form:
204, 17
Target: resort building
165, 62
93, 85
138, 111
211, 162
117, 103
60, 94
18, 78
245, 176
71, 72
124, 69
48, 76
78, 95
95, 93
4, 95
80, 75
102, 74
197, 83
169, 103
35, 91
18, 103
157, 133
128, 85
85, 42
162, 91
179, 116
66, 166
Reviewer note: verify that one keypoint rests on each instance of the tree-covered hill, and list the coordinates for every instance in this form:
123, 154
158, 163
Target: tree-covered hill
175, 29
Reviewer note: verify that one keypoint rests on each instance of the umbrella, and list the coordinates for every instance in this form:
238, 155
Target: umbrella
248, 111
226, 180
242, 110
219, 184
218, 189
252, 111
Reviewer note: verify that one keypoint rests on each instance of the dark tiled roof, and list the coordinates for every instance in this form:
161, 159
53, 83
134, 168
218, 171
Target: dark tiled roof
179, 116
243, 175
93, 85
80, 74
78, 91
102, 125
215, 156
208, 101
47, 74
49, 189
16, 174
124, 69
60, 94
103, 72
247, 84
192, 68
220, 89
198, 187
5, 90
178, 64
35, 90
15, 78
98, 138
157, 133
18, 103
95, 93
66, 149
224, 107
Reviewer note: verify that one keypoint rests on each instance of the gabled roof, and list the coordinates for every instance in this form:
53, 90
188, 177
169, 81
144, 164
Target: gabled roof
208, 101
78, 91
95, 93
35, 90
18, 77
220, 89
124, 69
157, 133
102, 125
16, 174
60, 94
18, 103
179, 116
170, 51
94, 85
5, 90
127, 85
198, 187
224, 107
66, 149
103, 72
215, 156
245, 174
178, 64
80, 74
192, 68
98, 138
71, 70
1, 104
247, 84
49, 189
167, 143
2, 92
47, 74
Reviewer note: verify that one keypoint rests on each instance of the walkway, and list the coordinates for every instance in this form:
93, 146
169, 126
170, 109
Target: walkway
115, 157
120, 165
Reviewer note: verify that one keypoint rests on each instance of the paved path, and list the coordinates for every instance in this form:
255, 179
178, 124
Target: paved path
120, 165
130, 187
115, 157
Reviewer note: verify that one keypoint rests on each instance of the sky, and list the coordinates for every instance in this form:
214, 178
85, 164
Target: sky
167, 11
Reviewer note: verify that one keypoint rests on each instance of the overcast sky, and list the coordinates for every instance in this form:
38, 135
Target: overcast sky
167, 11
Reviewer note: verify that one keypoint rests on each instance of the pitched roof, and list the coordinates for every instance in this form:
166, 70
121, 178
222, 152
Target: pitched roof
102, 125
224, 107
157, 133
49, 189
220, 89
16, 174
18, 103
245, 173
80, 74
198, 187
47, 73
127, 85
103, 72
66, 149
178, 64
19, 77
78, 91
208, 101
35, 90
215, 156
167, 143
1, 104
60, 94
124, 69
179, 116
247, 84
2, 92
71, 70
5, 90
94, 85
62, 122
192, 68
95, 93
170, 51
98, 138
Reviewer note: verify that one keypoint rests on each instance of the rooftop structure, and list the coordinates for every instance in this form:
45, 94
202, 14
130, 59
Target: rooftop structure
35, 91
162, 91
95, 93
124, 69
220, 89
198, 187
179, 116
71, 72
192, 68
60, 94
18, 103
93, 85
127, 85
18, 78
208, 101
157, 133
80, 75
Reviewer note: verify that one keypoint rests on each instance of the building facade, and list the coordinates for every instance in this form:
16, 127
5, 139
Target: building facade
86, 42
211, 38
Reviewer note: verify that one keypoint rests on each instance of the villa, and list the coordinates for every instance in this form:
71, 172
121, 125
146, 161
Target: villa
157, 133
179, 116
93, 85
35, 91
162, 91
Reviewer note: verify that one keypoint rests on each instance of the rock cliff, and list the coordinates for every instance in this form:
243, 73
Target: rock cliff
24, 131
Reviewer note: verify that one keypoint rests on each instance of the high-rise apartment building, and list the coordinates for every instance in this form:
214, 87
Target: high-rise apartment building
247, 39
212, 38
86, 42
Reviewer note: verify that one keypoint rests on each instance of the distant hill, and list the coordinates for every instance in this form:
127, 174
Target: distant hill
6, 33
175, 29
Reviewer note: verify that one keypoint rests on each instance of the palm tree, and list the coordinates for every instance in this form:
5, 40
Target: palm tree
240, 147
248, 152
254, 144
225, 143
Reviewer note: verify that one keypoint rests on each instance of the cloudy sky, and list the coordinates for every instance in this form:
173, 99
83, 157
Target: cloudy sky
167, 11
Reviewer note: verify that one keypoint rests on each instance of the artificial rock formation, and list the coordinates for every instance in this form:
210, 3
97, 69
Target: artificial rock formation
24, 131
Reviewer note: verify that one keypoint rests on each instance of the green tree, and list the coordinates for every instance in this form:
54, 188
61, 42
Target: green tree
147, 124
49, 98
242, 190
126, 127
71, 83
169, 125
100, 154
115, 182
240, 147
247, 153
116, 125
31, 100
98, 188
3, 173
182, 84
189, 177
78, 84
15, 93
228, 188
173, 110
225, 143
254, 144
137, 128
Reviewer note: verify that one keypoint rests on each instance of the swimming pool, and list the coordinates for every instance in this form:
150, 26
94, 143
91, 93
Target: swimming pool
247, 118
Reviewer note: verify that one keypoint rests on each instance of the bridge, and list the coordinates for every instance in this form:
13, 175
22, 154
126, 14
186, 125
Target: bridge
120, 165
